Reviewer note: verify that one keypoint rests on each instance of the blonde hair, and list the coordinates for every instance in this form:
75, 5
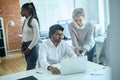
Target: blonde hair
78, 12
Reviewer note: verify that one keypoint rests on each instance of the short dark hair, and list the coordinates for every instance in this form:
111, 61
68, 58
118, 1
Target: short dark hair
54, 28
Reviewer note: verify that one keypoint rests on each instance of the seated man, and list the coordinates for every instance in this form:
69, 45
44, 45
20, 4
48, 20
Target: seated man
54, 49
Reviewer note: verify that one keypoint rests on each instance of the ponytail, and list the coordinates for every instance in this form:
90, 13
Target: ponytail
32, 11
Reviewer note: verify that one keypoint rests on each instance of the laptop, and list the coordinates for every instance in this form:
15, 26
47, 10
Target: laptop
73, 65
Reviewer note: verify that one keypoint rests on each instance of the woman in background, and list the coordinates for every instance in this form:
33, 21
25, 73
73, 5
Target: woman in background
30, 35
104, 53
82, 34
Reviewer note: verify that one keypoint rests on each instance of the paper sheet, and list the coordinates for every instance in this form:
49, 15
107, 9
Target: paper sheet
103, 74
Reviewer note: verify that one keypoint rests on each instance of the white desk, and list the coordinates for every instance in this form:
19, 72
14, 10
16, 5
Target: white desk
46, 75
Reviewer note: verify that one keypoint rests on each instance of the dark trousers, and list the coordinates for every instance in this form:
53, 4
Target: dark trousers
32, 56
90, 54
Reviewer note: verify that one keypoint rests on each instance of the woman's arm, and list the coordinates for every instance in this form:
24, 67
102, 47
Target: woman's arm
89, 40
73, 36
36, 35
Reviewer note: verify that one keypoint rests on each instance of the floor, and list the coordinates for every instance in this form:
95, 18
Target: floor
12, 63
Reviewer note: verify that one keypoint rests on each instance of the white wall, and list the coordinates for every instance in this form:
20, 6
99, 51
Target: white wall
23, 2
106, 12
93, 10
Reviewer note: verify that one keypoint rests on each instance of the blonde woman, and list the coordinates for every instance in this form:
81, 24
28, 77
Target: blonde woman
82, 34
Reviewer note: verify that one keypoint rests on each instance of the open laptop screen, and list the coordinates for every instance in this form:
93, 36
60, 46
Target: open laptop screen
73, 65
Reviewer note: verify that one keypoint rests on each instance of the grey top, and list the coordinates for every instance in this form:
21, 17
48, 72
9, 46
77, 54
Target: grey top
82, 37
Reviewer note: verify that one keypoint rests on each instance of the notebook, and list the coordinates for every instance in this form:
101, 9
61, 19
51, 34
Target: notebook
73, 65
28, 78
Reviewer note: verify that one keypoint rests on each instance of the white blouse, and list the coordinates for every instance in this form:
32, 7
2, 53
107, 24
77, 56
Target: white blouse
30, 34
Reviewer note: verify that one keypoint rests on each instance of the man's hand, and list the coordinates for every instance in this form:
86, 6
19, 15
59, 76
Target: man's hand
54, 70
77, 51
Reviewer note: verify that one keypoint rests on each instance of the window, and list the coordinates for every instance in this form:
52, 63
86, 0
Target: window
49, 12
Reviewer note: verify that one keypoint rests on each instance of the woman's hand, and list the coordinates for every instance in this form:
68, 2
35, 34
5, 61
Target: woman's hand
26, 51
84, 52
77, 51
22, 48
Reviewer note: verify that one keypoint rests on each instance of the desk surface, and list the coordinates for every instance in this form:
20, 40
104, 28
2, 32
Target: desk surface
41, 74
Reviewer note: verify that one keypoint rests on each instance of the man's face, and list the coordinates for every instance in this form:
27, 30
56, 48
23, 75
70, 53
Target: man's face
57, 36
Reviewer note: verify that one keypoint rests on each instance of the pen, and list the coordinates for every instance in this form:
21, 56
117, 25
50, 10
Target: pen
96, 74
38, 72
